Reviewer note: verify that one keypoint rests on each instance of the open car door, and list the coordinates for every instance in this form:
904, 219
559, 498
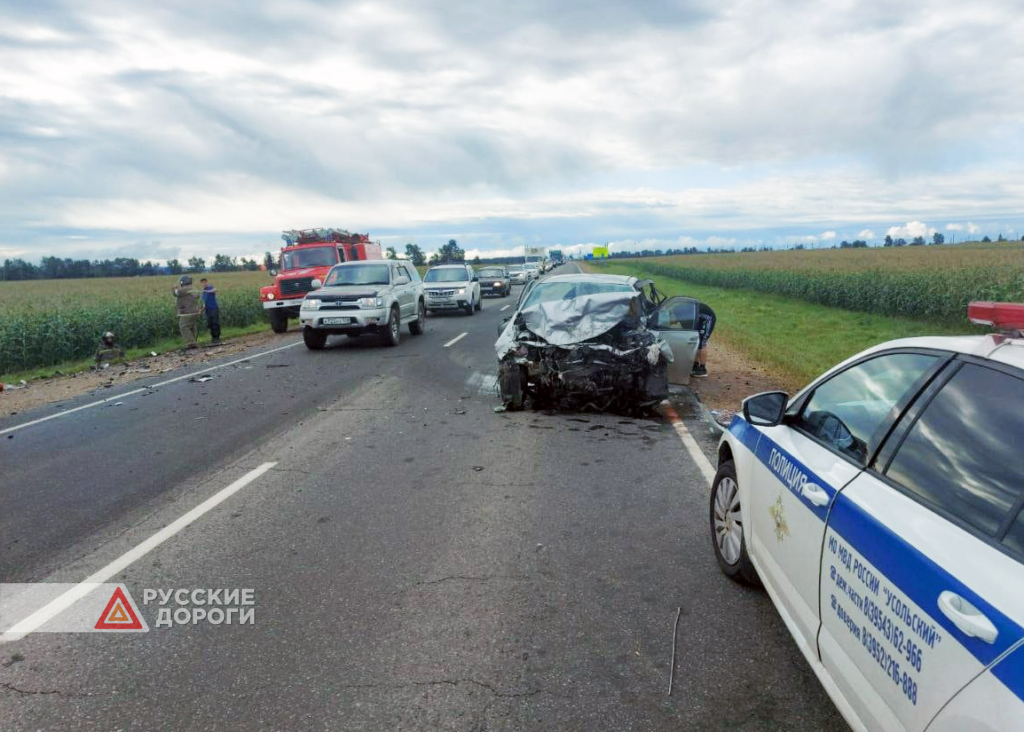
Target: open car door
675, 321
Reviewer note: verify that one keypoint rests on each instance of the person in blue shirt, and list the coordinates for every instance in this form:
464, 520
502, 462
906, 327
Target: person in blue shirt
209, 295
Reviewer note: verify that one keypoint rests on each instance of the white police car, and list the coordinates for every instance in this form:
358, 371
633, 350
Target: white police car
881, 509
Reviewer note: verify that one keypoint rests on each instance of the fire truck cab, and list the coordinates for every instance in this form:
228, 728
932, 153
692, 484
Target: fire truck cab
308, 255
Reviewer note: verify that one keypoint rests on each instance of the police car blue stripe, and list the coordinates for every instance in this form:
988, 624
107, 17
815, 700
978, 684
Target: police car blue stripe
909, 570
919, 578
1011, 672
791, 472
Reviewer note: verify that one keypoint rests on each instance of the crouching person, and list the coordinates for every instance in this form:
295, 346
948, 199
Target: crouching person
108, 352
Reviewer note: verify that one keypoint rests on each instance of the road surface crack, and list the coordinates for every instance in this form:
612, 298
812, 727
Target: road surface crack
40, 692
453, 577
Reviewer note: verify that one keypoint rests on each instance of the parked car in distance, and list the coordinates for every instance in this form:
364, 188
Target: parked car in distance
533, 270
494, 281
452, 287
357, 298
881, 507
518, 274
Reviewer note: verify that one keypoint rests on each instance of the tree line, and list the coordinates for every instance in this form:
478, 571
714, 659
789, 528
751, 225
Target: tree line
56, 268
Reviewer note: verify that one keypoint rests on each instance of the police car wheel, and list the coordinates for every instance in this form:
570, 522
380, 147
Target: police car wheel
727, 534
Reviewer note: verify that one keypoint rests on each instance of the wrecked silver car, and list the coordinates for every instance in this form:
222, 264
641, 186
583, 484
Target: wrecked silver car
586, 342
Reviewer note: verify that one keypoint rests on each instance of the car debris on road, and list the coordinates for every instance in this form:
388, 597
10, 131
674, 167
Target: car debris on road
589, 350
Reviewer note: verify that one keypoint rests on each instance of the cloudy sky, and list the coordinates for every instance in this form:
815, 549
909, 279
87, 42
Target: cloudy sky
192, 127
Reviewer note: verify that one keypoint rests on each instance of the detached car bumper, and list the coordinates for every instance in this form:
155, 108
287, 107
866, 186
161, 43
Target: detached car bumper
345, 321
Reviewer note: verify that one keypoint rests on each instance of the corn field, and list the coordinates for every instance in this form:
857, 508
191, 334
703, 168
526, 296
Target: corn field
927, 282
47, 322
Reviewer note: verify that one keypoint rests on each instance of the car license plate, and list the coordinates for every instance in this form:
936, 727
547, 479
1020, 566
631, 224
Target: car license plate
336, 321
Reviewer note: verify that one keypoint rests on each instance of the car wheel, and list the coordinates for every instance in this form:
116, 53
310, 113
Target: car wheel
278, 321
510, 383
727, 535
314, 339
421, 320
471, 309
479, 302
392, 333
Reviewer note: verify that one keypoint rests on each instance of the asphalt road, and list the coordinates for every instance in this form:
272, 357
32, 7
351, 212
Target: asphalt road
419, 561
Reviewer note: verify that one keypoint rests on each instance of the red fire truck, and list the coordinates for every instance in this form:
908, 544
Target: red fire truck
309, 254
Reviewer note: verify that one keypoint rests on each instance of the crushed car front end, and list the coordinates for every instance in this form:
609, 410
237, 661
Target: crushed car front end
590, 353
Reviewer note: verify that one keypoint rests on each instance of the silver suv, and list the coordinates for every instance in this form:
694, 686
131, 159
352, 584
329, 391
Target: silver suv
452, 287
375, 296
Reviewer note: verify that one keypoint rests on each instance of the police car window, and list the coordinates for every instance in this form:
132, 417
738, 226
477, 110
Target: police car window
963, 454
845, 411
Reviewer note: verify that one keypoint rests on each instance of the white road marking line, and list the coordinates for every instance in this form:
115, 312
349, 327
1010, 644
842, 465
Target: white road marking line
83, 588
146, 388
505, 308
691, 445
455, 340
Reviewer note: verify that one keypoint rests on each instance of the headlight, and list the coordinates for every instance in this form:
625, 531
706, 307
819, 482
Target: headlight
269, 295
311, 303
461, 292
497, 284
371, 302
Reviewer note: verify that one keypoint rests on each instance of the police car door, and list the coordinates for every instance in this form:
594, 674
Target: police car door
821, 446
922, 582
675, 321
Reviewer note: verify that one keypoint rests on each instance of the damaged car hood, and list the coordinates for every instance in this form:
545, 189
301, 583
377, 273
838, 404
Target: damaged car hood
567, 322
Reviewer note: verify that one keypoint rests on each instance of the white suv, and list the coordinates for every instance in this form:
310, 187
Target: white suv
881, 507
375, 296
452, 287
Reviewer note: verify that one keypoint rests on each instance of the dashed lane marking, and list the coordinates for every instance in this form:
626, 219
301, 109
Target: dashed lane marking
455, 340
505, 308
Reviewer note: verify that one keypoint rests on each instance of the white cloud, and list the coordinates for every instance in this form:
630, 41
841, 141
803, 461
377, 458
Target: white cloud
954, 227
866, 235
911, 230
501, 123
973, 228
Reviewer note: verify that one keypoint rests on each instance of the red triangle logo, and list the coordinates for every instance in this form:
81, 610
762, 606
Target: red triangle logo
118, 614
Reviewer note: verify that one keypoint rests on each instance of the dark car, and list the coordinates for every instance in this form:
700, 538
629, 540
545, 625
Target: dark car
495, 281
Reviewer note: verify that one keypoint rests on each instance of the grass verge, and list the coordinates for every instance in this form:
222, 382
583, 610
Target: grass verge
794, 339
163, 346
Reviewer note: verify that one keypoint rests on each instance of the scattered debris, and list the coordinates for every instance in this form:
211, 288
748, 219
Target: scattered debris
672, 666
278, 365
201, 379
153, 354
478, 468
501, 408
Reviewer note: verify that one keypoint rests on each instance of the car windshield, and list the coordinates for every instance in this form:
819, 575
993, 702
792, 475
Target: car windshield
515, 268
550, 291
311, 257
447, 274
359, 274
491, 272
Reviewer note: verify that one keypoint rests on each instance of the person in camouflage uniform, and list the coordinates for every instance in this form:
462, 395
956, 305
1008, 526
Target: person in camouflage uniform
189, 309
108, 352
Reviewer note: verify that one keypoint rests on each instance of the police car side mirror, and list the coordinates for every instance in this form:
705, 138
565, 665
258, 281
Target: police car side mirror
765, 409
